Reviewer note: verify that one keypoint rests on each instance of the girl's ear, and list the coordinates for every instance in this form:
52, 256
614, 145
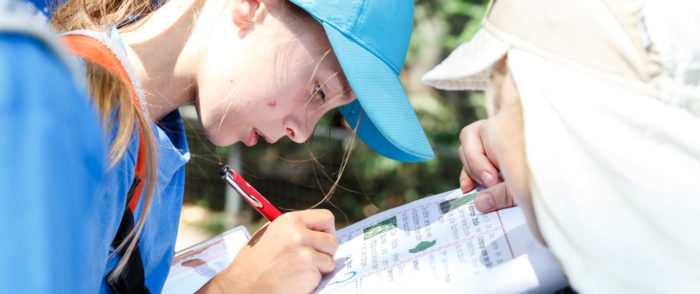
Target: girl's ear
245, 13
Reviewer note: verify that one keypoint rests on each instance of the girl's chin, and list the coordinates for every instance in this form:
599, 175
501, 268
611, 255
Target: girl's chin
221, 141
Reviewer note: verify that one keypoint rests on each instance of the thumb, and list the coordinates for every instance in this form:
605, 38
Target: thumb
494, 198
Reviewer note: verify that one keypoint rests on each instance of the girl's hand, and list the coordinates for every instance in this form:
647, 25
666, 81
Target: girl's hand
478, 154
288, 255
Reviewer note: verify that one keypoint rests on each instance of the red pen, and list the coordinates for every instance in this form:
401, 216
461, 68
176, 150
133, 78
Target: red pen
249, 193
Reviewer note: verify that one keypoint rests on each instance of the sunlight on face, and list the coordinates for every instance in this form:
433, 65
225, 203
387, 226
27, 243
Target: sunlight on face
506, 120
281, 80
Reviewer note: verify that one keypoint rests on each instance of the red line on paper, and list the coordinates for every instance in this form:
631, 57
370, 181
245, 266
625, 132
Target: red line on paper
504, 234
360, 285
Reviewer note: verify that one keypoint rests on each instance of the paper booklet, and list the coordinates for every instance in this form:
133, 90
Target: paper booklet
438, 243
194, 266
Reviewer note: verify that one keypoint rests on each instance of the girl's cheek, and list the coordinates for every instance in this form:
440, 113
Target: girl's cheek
516, 172
512, 159
511, 150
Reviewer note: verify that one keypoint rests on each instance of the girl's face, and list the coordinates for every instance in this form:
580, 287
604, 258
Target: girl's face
506, 121
271, 76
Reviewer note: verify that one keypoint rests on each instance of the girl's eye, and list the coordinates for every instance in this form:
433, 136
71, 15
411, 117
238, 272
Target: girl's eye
318, 91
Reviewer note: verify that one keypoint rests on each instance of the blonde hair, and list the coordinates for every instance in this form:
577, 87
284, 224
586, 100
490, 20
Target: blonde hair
112, 97
348, 148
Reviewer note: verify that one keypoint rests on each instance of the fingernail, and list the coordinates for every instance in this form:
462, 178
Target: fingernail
486, 178
484, 202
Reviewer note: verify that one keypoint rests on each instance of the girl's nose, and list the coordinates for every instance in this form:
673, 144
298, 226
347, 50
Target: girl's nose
297, 131
300, 126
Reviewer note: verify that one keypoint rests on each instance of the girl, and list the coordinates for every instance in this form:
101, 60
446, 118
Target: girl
595, 110
254, 69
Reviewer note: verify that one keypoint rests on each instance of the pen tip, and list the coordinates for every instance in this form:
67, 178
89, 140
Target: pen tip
222, 170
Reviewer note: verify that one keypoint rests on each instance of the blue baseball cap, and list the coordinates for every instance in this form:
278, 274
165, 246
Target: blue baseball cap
370, 39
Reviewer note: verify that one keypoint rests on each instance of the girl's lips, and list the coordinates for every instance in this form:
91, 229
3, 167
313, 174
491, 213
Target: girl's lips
252, 138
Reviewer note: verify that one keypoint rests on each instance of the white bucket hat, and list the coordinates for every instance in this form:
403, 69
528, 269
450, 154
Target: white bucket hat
610, 94
578, 34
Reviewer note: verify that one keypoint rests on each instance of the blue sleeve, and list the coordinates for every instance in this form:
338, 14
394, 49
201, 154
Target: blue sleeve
52, 158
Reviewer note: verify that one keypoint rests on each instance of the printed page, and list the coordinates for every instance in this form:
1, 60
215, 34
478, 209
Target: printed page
194, 266
439, 243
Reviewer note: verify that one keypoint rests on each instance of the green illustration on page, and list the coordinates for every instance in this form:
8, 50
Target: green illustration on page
422, 246
381, 227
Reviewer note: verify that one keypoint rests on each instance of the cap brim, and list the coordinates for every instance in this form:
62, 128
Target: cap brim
388, 123
469, 66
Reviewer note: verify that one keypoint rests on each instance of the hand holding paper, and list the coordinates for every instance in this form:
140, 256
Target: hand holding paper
481, 167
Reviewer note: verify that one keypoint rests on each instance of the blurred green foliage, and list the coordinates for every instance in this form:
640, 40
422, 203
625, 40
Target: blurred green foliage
288, 177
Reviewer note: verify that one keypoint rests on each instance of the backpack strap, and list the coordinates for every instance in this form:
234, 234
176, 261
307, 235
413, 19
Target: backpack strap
132, 280
95, 51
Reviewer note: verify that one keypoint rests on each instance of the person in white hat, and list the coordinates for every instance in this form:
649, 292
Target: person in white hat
594, 126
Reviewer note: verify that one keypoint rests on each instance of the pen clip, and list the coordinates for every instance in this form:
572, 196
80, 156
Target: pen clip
228, 177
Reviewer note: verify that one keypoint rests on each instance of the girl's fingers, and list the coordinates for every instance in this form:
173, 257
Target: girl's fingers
314, 228
321, 220
324, 262
466, 183
323, 242
494, 198
474, 156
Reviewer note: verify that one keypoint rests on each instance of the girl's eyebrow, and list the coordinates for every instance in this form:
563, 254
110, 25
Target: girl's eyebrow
318, 67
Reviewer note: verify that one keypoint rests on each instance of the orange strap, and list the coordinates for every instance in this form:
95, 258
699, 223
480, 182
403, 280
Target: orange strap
93, 50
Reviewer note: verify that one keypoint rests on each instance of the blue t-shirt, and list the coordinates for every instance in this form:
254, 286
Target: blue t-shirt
52, 158
62, 205
157, 240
